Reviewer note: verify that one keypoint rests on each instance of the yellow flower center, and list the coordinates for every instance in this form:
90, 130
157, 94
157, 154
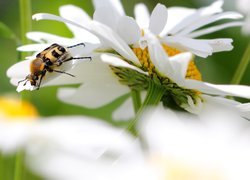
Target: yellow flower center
144, 58
13, 109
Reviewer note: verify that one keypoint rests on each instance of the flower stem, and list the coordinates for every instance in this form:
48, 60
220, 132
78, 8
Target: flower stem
153, 97
18, 166
136, 97
242, 66
25, 26
25, 19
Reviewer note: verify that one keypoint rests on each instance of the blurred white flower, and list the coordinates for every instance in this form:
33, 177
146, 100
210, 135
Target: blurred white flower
212, 146
93, 145
243, 7
74, 148
174, 146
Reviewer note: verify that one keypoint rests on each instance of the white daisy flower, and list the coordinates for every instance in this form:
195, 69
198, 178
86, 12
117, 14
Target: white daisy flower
114, 39
174, 146
242, 6
177, 74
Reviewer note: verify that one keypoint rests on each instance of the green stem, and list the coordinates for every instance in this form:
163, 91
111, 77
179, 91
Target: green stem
25, 20
153, 97
18, 166
25, 26
1, 166
136, 97
242, 66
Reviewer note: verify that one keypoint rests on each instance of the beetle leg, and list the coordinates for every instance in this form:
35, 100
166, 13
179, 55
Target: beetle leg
40, 79
63, 72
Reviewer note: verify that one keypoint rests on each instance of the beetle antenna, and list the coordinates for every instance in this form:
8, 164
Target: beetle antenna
80, 44
83, 58
72, 58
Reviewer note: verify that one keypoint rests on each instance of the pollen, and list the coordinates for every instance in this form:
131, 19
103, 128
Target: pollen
193, 72
147, 65
143, 56
170, 51
14, 109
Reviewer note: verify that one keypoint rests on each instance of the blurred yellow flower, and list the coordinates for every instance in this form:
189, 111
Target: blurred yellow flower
15, 109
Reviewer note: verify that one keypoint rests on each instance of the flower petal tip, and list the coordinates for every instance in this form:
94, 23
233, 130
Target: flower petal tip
24, 86
37, 16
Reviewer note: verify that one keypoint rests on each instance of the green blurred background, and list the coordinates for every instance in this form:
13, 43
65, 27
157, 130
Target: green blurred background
218, 68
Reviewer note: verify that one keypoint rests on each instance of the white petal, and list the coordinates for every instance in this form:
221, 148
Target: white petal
42, 37
192, 107
93, 94
219, 45
47, 16
180, 64
25, 86
196, 46
213, 29
115, 60
125, 111
142, 15
175, 16
83, 50
113, 5
106, 16
246, 26
78, 16
228, 104
19, 70
33, 47
219, 100
215, 7
129, 30
158, 19
208, 20
87, 36
192, 16
159, 57
85, 71
110, 38
207, 88
244, 109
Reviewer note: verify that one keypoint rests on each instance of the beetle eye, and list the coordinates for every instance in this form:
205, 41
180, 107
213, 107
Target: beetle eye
48, 62
62, 49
